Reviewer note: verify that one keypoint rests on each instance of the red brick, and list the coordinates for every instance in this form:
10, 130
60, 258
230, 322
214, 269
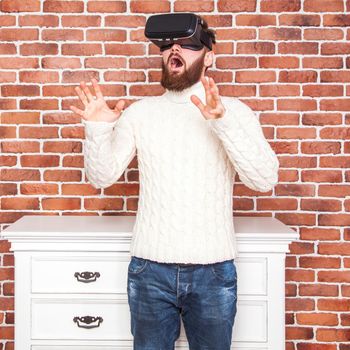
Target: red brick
335, 49
39, 20
338, 104
62, 35
81, 20
334, 190
320, 204
323, 34
125, 49
299, 20
321, 118
321, 176
300, 304
338, 20
319, 147
276, 33
331, 334
236, 62
85, 49
280, 5
103, 203
235, 34
319, 262
193, 5
298, 48
39, 48
320, 318
236, 6
251, 76
279, 90
276, 204
334, 76
20, 5
322, 90
336, 220
255, 47
105, 35
323, 6
255, 20
149, 6
61, 6
297, 76
318, 233
16, 34
301, 104
335, 133
61, 203
125, 21
19, 203
297, 219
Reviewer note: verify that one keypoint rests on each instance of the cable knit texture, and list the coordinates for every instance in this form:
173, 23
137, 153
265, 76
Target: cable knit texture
187, 166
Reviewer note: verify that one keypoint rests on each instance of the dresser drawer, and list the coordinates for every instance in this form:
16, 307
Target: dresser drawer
252, 276
108, 274
80, 347
80, 319
79, 274
68, 319
103, 347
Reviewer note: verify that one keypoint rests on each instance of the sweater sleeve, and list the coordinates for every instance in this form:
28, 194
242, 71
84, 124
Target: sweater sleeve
108, 149
246, 146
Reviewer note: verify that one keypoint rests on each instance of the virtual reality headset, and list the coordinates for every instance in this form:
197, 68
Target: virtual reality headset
184, 29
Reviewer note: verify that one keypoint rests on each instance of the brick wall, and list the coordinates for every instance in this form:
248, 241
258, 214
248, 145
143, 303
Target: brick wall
288, 59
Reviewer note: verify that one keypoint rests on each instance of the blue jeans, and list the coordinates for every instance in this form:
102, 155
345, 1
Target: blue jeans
203, 295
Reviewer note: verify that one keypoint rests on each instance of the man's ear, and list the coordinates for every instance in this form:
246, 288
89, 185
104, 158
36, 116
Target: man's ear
209, 58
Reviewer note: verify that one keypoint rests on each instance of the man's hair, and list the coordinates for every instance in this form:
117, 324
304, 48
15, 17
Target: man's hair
211, 33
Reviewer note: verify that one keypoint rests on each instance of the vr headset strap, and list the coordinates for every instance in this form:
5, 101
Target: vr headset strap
206, 39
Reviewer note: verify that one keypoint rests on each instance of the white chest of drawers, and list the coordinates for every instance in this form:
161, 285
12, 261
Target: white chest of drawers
71, 278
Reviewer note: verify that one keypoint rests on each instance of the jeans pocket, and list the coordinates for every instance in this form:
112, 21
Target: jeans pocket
225, 271
137, 265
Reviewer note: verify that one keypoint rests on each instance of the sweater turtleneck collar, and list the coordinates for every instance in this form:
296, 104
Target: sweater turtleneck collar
184, 95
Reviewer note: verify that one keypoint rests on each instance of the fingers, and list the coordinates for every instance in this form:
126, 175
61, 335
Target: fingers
85, 94
206, 88
96, 88
77, 110
87, 91
82, 96
214, 90
196, 100
217, 111
205, 82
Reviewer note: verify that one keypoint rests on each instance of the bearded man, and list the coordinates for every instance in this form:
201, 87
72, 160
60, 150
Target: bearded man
190, 143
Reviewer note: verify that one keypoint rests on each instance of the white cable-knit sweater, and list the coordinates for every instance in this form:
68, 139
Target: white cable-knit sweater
187, 166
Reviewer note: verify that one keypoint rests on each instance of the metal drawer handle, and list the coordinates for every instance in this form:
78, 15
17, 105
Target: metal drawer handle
87, 320
86, 276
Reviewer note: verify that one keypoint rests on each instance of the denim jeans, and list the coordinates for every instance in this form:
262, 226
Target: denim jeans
203, 295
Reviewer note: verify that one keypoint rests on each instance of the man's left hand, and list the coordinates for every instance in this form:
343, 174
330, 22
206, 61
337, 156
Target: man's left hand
213, 109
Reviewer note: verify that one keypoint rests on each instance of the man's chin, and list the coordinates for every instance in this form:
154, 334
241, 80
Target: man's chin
175, 71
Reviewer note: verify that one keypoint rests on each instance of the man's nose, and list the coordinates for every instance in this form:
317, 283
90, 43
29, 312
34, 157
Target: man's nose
176, 47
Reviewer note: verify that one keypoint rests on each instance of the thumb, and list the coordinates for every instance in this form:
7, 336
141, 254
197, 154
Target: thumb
119, 106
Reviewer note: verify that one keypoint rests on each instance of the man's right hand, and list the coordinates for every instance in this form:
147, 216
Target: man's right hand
96, 108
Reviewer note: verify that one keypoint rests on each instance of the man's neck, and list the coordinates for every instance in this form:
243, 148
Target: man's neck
183, 96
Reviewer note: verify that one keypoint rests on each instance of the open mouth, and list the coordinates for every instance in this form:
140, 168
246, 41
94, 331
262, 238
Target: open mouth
175, 63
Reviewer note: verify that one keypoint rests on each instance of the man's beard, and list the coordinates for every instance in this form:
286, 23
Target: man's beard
181, 81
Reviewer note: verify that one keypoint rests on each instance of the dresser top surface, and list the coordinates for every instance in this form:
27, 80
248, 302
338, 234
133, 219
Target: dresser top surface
90, 225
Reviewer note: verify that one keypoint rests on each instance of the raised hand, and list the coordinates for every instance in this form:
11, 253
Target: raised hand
96, 108
213, 108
